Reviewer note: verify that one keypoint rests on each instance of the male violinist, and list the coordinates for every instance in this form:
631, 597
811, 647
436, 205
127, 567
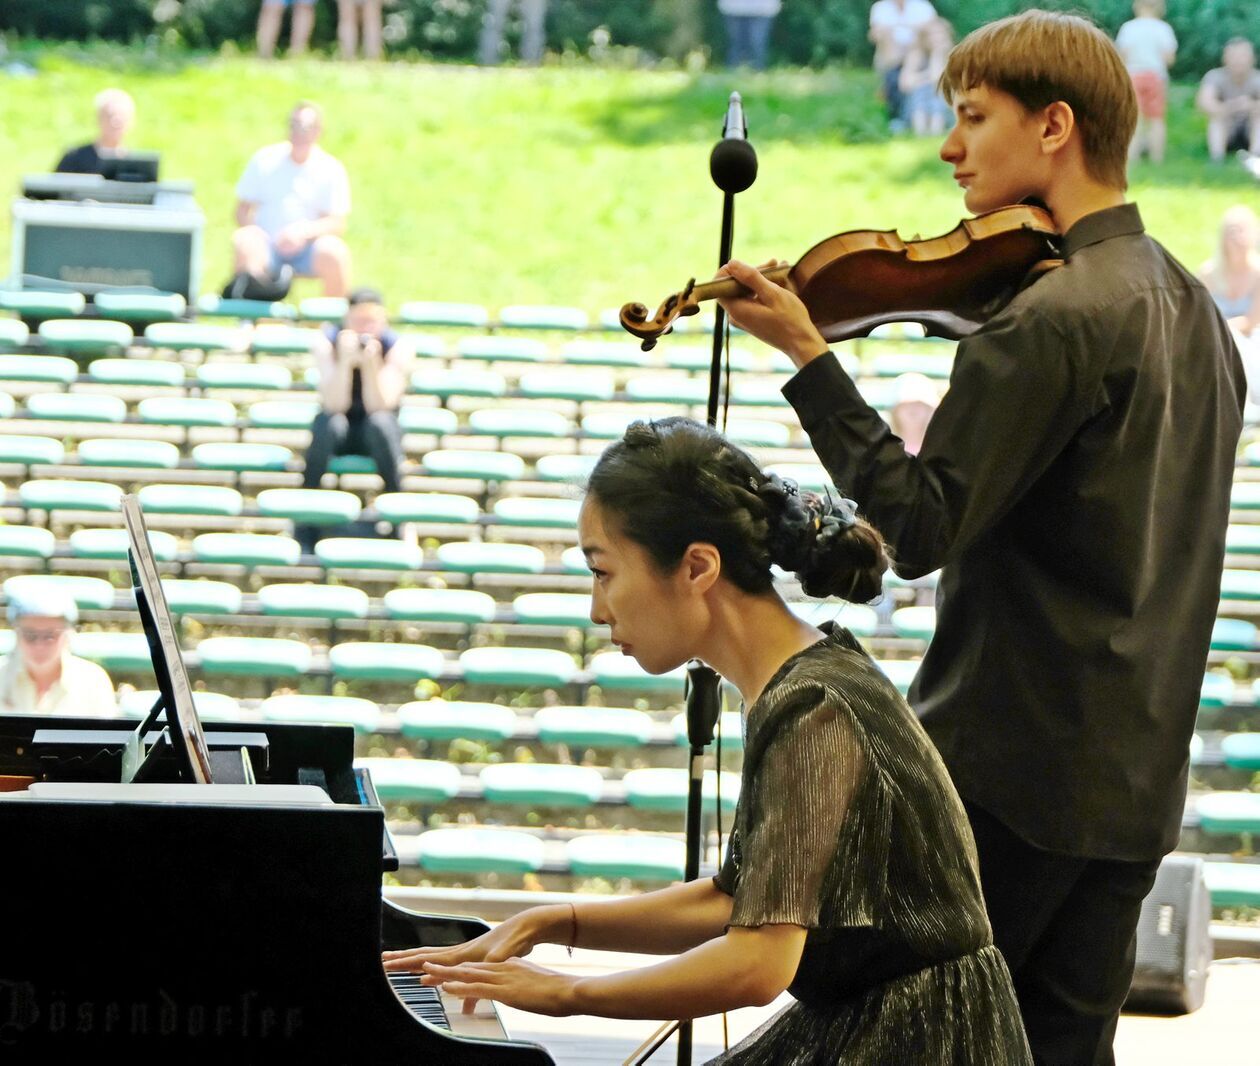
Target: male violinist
1073, 488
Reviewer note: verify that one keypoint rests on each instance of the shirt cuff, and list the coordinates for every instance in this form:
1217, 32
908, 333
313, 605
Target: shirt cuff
820, 390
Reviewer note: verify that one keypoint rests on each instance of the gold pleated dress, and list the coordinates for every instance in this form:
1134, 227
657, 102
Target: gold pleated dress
849, 826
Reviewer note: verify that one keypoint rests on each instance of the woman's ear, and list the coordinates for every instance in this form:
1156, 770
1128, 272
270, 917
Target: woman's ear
701, 566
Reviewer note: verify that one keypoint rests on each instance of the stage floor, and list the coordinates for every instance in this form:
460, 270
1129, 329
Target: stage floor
1222, 1033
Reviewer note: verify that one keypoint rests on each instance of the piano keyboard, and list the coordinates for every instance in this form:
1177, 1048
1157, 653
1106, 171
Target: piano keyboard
446, 1012
422, 1000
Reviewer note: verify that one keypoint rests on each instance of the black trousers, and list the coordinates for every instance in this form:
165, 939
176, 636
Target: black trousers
1067, 927
377, 435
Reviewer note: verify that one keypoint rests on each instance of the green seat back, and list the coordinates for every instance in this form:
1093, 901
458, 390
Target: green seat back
283, 414
76, 407
456, 720
661, 789
80, 335
36, 303
488, 557
563, 383
54, 368
199, 596
246, 549
231, 375
575, 469
438, 313
483, 466
313, 506
31, 450
553, 609
369, 553
518, 422
32, 542
1241, 751
218, 307
599, 727
378, 661
56, 495
240, 456
476, 851
191, 499
517, 666
186, 411
323, 309
1233, 634
412, 780
499, 349
140, 307
277, 339
1229, 812
542, 784
611, 669
194, 336
136, 372
604, 353
364, 715
461, 381
114, 651
313, 601
119, 451
674, 388
114, 543
534, 511
435, 421
254, 656
634, 855
466, 606
437, 507
540, 316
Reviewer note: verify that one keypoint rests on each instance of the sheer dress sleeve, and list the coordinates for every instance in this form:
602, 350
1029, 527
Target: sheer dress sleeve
802, 767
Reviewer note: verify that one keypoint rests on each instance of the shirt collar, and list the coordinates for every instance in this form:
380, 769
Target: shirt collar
1121, 221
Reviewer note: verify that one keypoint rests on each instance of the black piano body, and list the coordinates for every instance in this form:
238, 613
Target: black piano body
189, 932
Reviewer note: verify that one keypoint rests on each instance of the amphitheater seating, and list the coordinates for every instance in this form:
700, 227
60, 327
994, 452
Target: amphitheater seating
214, 416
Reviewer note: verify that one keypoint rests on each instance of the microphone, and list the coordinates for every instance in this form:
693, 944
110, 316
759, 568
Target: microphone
733, 161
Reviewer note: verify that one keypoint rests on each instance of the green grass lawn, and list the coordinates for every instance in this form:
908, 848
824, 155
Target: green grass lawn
571, 184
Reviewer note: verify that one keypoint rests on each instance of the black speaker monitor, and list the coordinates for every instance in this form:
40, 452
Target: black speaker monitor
1174, 941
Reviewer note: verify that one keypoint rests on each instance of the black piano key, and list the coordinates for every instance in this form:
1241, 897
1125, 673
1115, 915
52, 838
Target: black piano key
422, 1000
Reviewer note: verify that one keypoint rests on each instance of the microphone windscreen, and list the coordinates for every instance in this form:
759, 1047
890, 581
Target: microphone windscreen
733, 165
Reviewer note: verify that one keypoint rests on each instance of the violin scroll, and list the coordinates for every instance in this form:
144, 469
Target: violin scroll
635, 321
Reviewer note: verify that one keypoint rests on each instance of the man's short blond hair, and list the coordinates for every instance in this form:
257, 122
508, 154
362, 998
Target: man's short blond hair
1040, 57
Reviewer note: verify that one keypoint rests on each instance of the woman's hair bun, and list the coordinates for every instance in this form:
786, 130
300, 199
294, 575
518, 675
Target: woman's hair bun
832, 551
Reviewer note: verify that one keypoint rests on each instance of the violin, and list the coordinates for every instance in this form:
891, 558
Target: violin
855, 281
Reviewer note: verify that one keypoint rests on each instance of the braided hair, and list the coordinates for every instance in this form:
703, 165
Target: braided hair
673, 482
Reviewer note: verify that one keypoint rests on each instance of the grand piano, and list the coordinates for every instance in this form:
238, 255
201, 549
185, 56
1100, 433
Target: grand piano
243, 922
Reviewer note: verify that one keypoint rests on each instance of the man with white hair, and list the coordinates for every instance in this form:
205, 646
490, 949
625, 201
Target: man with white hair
115, 113
42, 676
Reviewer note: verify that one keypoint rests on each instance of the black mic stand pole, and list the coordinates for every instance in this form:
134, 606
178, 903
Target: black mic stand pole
733, 167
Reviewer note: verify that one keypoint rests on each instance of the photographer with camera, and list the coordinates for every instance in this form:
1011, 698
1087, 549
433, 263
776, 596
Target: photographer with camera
364, 368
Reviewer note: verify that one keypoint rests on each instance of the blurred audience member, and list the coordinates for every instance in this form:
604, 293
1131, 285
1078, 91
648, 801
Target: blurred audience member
270, 16
1232, 275
349, 15
534, 17
292, 203
41, 676
915, 400
364, 369
1230, 97
925, 110
894, 26
115, 113
748, 25
1148, 47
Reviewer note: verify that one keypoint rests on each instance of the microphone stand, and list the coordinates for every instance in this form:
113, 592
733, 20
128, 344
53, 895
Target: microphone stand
733, 167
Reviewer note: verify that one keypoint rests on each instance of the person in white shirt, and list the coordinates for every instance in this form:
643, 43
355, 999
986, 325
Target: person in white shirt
41, 676
748, 25
292, 203
895, 25
1148, 47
